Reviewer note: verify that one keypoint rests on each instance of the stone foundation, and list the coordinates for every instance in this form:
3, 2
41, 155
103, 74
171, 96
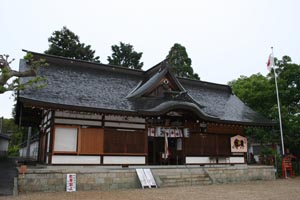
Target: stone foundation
240, 173
43, 180
53, 178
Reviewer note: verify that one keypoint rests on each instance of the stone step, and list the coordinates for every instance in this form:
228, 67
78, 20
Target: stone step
165, 180
176, 185
185, 183
183, 176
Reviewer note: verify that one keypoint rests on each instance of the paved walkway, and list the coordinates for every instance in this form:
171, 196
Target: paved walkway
7, 173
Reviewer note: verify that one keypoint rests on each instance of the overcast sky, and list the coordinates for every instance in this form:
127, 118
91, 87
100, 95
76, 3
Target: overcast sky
224, 38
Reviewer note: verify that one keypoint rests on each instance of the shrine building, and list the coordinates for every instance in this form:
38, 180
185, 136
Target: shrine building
98, 114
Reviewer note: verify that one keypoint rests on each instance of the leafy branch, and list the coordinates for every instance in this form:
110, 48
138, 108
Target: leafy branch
6, 73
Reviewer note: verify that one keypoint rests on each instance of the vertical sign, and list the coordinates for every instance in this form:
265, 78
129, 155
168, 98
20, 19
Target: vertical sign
71, 183
179, 144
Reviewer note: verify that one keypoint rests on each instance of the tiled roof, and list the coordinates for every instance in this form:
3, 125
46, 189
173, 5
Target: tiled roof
222, 104
104, 88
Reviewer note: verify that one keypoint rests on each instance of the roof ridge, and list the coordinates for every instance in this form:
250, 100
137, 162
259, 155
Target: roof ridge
82, 61
206, 83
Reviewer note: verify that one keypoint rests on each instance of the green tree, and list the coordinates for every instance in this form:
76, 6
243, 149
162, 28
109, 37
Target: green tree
9, 127
17, 133
65, 43
181, 62
258, 92
255, 91
289, 91
124, 55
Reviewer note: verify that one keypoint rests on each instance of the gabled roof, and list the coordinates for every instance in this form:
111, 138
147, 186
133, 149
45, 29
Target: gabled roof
86, 86
151, 82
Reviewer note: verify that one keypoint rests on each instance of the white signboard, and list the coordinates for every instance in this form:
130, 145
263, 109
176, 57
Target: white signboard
146, 178
161, 131
150, 178
142, 178
71, 183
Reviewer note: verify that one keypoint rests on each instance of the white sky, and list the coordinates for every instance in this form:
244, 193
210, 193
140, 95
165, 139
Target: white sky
224, 38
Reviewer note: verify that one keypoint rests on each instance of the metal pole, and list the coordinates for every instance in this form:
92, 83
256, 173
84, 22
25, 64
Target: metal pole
279, 112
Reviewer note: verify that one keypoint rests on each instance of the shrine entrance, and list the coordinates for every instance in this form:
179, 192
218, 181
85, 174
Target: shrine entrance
166, 137
157, 153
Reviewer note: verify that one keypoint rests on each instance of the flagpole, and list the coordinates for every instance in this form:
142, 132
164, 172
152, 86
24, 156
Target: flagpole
279, 112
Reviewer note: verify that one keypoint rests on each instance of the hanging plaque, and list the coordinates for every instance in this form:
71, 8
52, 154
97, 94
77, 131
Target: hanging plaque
238, 144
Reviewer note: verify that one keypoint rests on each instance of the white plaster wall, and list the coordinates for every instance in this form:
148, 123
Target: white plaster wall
207, 160
236, 160
124, 118
118, 160
3, 145
199, 160
33, 150
124, 125
78, 122
223, 160
61, 159
79, 115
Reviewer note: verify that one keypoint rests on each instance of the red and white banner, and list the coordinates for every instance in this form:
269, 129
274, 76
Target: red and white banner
270, 62
166, 147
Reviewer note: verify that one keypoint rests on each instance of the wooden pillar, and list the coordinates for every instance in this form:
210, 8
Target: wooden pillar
28, 142
154, 148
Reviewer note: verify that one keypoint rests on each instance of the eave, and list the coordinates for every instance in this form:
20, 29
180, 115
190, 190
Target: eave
34, 104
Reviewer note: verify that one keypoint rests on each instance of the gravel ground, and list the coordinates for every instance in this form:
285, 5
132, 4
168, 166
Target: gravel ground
286, 189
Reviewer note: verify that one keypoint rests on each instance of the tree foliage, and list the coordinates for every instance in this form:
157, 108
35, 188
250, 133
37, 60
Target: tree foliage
181, 62
259, 93
289, 91
17, 136
67, 44
10, 127
7, 73
124, 55
256, 91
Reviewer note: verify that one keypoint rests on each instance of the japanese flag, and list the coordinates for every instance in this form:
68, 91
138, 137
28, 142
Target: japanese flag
270, 62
